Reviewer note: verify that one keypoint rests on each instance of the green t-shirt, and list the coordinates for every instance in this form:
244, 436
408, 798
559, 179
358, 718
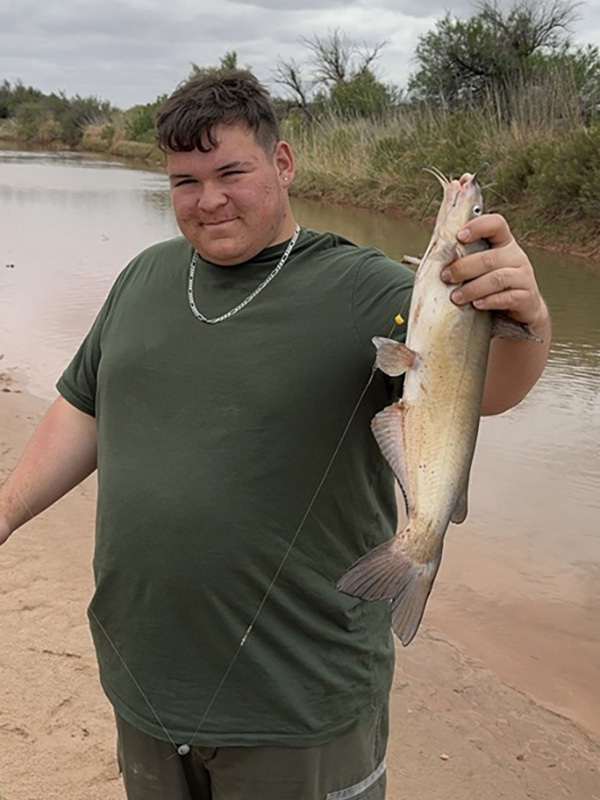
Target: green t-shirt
212, 442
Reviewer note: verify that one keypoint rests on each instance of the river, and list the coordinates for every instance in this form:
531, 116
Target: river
519, 586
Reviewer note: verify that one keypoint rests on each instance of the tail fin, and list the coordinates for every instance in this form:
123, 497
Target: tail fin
388, 573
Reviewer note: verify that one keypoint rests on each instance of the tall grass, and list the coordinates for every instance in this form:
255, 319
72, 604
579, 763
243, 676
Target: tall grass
540, 142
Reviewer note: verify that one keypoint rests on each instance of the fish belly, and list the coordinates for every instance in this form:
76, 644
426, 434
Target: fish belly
442, 408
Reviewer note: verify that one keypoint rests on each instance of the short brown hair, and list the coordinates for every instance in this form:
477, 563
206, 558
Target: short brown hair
187, 119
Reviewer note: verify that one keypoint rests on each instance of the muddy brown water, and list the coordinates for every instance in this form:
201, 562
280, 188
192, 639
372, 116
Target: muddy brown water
520, 580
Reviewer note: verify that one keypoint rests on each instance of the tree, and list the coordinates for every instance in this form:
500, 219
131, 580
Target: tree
580, 71
338, 74
360, 96
11, 97
290, 74
465, 61
227, 61
139, 121
336, 58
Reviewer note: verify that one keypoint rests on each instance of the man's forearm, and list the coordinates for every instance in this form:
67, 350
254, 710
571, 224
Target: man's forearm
514, 366
61, 453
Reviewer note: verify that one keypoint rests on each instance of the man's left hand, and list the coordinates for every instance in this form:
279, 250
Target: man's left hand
500, 278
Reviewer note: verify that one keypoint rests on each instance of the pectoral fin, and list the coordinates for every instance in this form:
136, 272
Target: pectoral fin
504, 327
393, 358
387, 427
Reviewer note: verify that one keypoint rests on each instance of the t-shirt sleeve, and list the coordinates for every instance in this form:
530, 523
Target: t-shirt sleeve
77, 384
381, 304
382, 291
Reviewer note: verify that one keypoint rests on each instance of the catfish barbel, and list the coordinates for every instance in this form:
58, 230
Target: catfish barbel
429, 436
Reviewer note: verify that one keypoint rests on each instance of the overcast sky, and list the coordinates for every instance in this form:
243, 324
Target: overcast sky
130, 51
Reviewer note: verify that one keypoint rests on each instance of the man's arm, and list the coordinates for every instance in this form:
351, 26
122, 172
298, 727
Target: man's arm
502, 279
61, 453
514, 367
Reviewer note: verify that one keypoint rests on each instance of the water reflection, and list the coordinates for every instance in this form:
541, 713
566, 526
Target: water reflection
395, 237
70, 224
15, 155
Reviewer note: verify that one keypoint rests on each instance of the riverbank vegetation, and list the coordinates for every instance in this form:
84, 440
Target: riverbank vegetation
503, 92
504, 89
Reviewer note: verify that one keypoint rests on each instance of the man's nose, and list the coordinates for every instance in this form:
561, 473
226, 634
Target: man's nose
211, 197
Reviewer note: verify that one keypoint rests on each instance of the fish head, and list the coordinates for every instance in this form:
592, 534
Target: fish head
462, 202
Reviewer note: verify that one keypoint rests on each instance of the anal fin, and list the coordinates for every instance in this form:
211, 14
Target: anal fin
461, 509
387, 427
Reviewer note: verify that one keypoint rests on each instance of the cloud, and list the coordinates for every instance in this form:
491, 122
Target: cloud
130, 51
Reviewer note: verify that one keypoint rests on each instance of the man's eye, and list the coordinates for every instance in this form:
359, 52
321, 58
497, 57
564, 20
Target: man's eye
232, 172
184, 182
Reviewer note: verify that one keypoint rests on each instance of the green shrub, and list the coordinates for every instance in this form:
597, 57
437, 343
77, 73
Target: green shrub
107, 133
29, 119
139, 122
513, 175
566, 180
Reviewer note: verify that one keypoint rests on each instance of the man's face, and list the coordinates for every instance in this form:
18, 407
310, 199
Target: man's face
231, 202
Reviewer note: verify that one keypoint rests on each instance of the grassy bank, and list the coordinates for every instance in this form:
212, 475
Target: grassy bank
112, 138
545, 180
95, 139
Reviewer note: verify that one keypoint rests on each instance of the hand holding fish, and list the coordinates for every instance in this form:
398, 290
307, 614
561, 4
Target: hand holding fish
500, 278
450, 353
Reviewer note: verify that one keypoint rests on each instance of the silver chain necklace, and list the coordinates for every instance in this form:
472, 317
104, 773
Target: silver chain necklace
193, 264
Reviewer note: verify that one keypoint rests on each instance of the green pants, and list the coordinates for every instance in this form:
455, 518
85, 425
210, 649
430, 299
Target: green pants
351, 767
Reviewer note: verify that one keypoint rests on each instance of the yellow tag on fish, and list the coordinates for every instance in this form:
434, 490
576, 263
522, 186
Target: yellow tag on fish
398, 319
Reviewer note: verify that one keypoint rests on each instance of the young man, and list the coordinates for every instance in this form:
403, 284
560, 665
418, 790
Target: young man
223, 393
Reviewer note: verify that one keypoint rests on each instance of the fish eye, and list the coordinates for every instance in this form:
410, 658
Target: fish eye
477, 210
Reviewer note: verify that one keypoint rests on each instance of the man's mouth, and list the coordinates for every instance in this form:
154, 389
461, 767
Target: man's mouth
218, 222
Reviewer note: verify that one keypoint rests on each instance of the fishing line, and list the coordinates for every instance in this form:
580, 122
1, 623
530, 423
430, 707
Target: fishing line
184, 749
490, 187
286, 555
485, 165
131, 675
426, 209
102, 628
290, 547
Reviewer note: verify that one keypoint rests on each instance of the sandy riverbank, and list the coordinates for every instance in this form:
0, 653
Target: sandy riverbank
457, 731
